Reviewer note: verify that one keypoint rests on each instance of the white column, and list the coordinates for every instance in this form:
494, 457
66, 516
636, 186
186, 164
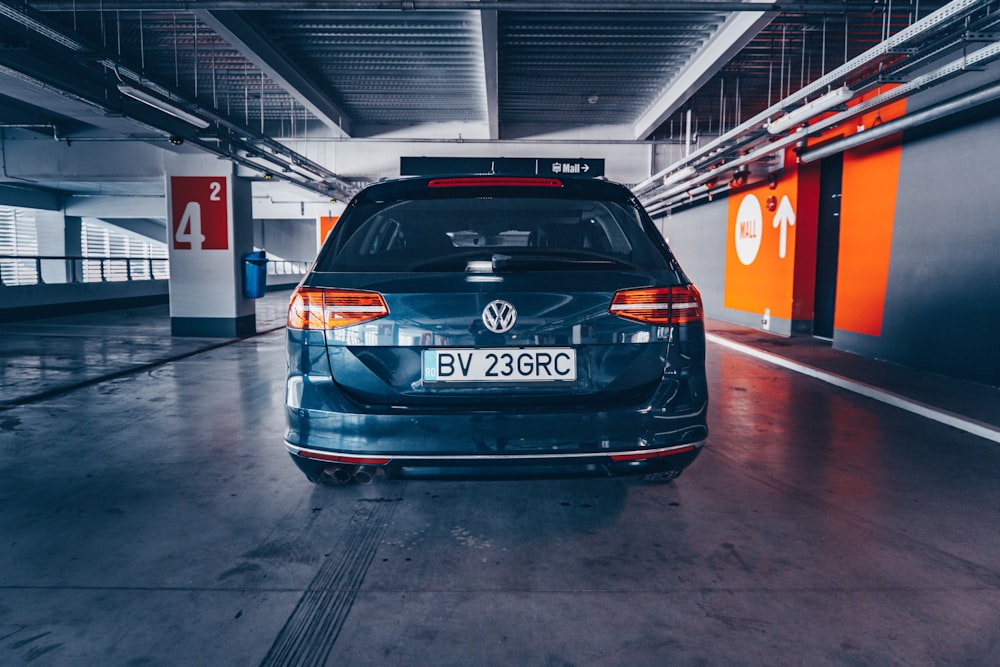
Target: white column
209, 232
51, 229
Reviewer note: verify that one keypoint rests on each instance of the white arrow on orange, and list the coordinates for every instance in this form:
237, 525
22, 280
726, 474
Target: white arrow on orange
784, 218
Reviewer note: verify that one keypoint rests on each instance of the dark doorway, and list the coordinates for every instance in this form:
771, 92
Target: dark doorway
827, 245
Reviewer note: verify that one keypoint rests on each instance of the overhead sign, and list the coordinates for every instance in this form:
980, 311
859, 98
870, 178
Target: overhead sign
199, 212
589, 168
505, 166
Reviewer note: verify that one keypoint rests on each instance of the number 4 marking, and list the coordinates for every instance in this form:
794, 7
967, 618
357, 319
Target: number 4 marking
189, 229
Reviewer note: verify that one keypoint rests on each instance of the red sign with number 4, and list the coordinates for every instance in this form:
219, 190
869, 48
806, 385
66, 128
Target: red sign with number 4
199, 213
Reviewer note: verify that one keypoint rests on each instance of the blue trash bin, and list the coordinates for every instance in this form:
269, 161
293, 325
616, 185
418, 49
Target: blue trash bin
254, 274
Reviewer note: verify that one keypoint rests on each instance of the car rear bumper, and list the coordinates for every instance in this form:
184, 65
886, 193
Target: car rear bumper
504, 466
494, 433
498, 445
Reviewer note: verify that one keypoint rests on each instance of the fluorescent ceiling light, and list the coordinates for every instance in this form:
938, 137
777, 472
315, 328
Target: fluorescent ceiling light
162, 105
302, 170
798, 116
679, 175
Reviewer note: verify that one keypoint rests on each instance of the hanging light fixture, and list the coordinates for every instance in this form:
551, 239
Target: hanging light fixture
798, 116
680, 175
163, 105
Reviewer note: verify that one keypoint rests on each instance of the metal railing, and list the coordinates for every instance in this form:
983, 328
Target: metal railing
16, 270
287, 267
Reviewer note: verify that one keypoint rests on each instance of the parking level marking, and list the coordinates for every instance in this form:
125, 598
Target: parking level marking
972, 426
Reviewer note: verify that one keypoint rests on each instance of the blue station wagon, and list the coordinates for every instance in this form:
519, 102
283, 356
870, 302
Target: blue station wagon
495, 326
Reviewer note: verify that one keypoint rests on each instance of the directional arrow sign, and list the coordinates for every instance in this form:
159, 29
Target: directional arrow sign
784, 218
571, 167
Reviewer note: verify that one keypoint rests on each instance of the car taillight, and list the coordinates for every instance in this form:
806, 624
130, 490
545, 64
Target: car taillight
315, 308
665, 306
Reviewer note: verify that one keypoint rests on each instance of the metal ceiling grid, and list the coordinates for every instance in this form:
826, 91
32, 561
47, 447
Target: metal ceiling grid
593, 68
388, 68
512, 69
177, 50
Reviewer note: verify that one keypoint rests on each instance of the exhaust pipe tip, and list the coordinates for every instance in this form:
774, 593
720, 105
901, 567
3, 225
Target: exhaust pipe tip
364, 475
337, 475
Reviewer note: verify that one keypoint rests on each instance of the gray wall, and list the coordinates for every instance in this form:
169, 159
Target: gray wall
289, 239
942, 307
698, 238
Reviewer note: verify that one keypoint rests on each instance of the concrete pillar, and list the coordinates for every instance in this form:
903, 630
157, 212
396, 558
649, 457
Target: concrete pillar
73, 247
210, 231
50, 228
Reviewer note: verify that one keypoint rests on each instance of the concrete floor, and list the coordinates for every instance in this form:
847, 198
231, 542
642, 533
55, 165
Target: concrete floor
150, 516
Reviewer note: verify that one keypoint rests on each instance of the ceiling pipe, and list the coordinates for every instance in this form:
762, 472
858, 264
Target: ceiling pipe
276, 152
937, 112
165, 106
34, 126
957, 66
680, 175
30, 18
834, 98
680, 195
955, 10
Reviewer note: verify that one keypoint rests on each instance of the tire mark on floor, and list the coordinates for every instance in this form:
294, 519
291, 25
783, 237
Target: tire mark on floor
126, 372
874, 531
311, 631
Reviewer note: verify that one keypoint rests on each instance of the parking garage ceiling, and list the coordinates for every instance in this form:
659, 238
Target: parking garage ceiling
254, 75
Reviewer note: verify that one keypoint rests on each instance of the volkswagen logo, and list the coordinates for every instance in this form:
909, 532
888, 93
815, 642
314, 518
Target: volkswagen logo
499, 316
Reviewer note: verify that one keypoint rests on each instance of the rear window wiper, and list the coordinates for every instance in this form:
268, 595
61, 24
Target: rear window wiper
547, 261
450, 262
478, 262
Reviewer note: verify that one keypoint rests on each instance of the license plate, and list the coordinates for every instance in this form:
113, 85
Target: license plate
541, 364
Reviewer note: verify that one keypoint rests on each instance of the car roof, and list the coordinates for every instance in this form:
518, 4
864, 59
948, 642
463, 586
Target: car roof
464, 185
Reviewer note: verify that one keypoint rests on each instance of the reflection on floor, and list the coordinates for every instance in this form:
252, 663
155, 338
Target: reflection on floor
149, 515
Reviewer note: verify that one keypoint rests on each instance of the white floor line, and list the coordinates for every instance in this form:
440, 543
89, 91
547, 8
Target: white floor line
972, 426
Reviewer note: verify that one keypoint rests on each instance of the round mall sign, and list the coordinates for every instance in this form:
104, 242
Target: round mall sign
749, 226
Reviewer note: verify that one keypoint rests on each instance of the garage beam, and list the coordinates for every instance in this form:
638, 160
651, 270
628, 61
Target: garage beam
256, 48
655, 6
737, 31
116, 207
28, 196
490, 72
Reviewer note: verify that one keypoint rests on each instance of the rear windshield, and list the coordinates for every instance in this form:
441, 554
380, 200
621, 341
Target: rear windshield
493, 234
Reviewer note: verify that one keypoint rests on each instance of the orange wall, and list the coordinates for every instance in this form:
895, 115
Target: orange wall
867, 213
326, 224
764, 279
866, 219
785, 284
